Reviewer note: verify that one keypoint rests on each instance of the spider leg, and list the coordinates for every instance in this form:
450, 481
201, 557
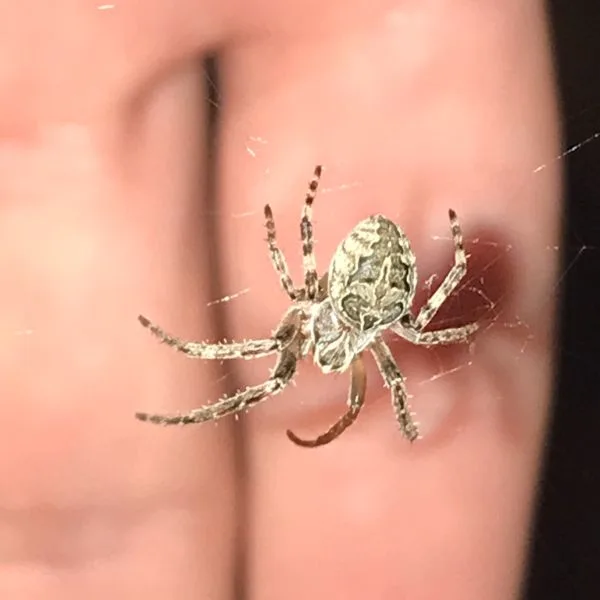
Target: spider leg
356, 398
277, 257
283, 336
306, 232
452, 279
452, 335
279, 379
395, 381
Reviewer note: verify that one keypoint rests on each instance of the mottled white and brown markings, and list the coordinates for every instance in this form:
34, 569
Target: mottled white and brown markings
369, 288
373, 274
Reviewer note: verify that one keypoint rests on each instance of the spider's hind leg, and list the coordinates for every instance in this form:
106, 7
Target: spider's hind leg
309, 262
451, 335
450, 282
277, 257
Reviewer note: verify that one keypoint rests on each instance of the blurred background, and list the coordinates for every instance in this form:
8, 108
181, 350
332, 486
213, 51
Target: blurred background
566, 541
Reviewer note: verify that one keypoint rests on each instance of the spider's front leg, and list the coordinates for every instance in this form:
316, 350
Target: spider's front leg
395, 382
356, 398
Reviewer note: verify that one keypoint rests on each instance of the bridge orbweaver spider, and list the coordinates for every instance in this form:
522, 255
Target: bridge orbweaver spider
369, 288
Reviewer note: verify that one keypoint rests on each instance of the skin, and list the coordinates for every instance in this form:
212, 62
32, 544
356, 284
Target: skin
422, 105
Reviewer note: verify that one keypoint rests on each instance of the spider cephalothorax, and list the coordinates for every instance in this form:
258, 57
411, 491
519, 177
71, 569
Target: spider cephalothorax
368, 289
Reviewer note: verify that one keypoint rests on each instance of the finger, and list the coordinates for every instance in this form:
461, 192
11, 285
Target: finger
411, 112
102, 219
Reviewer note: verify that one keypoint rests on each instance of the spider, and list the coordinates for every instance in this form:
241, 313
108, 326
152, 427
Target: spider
368, 289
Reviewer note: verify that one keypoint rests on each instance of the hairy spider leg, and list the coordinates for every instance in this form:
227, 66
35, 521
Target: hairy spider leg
245, 399
412, 328
395, 382
284, 334
309, 262
356, 399
450, 282
277, 257
451, 335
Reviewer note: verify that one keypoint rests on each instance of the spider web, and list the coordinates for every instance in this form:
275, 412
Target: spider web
472, 297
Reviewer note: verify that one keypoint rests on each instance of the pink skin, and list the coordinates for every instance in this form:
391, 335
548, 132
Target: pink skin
426, 105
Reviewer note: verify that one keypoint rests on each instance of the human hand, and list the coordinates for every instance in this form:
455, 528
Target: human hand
426, 107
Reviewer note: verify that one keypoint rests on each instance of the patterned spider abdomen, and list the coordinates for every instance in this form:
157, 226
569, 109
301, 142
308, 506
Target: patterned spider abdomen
372, 276
334, 344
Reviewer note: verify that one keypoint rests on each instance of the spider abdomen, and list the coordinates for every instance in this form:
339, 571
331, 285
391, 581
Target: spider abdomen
372, 276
